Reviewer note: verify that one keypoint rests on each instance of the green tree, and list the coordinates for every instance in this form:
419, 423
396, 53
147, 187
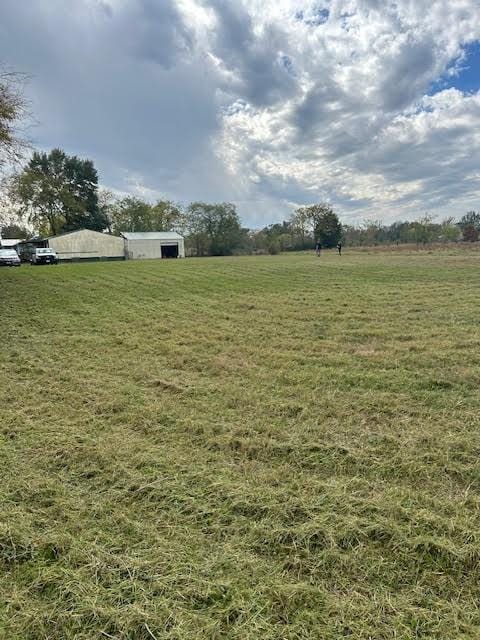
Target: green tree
134, 214
398, 232
106, 203
470, 226
14, 231
59, 193
373, 232
215, 229
130, 214
167, 216
83, 179
324, 221
424, 230
470, 233
278, 237
449, 231
300, 226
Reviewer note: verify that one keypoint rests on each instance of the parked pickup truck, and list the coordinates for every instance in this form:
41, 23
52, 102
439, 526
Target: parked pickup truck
9, 258
44, 256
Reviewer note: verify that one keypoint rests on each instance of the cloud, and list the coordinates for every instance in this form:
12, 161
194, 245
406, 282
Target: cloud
159, 33
269, 103
256, 66
119, 83
359, 130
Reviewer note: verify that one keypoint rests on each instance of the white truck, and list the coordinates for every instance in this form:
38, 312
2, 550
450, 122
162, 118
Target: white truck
9, 258
44, 255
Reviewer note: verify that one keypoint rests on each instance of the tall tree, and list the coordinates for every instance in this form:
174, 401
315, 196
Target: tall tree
130, 214
14, 230
424, 230
449, 231
83, 179
106, 203
300, 225
59, 193
166, 216
324, 221
13, 109
134, 214
215, 229
470, 226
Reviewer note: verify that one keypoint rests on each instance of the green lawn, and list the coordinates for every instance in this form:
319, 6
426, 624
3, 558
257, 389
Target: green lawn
252, 448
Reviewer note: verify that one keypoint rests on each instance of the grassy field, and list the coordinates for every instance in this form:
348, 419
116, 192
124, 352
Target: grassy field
249, 448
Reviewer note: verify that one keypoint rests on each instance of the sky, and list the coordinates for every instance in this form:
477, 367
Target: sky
370, 105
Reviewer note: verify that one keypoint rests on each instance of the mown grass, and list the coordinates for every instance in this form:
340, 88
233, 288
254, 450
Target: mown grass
276, 447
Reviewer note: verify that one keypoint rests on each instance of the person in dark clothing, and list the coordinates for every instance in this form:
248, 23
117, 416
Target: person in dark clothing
339, 248
318, 249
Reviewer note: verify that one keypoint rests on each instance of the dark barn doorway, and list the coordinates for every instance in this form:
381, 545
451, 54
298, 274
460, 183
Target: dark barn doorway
169, 250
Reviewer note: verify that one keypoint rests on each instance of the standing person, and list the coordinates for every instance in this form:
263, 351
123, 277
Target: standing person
339, 247
318, 249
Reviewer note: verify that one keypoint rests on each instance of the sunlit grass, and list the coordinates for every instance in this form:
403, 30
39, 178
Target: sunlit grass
276, 447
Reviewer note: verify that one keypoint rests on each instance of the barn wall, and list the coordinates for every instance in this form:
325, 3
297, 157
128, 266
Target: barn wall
148, 249
86, 244
181, 248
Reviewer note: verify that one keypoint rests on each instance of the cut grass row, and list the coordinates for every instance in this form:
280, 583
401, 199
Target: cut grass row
275, 447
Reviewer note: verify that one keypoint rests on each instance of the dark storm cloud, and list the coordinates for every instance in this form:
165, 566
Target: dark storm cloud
264, 103
444, 161
408, 74
263, 74
334, 116
115, 83
154, 31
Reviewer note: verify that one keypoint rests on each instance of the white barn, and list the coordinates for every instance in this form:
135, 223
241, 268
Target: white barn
86, 244
9, 243
154, 244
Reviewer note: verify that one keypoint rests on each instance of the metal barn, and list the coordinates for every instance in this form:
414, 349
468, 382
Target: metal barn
9, 243
155, 244
86, 244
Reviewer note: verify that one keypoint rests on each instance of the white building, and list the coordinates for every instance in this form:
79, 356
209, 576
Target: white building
86, 244
155, 244
9, 243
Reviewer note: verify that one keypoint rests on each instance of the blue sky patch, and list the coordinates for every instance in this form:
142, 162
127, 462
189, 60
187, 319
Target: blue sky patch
468, 77
287, 64
313, 18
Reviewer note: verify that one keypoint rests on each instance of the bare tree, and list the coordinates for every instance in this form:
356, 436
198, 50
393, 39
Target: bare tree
13, 112
106, 203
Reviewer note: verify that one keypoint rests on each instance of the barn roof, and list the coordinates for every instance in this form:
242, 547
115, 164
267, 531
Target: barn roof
70, 233
151, 235
9, 242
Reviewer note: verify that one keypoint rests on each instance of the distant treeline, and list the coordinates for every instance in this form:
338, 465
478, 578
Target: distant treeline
55, 193
422, 231
294, 235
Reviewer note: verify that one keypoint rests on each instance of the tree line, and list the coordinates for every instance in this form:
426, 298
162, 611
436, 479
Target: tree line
422, 231
57, 193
